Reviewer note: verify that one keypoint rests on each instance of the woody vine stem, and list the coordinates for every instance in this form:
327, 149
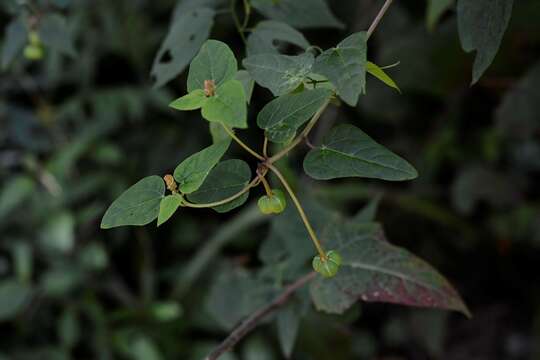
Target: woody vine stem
267, 164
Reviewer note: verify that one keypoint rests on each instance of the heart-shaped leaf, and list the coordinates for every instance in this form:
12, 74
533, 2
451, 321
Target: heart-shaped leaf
227, 106
168, 206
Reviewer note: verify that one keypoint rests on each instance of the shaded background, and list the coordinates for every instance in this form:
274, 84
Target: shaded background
77, 131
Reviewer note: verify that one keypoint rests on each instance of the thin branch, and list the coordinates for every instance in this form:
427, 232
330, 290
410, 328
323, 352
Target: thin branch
378, 18
254, 319
252, 184
242, 144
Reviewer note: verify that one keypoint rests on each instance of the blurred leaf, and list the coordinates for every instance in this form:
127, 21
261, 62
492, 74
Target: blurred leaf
14, 41
68, 328
282, 117
94, 257
262, 39
60, 281
256, 348
379, 73
14, 193
166, 311
345, 67
288, 323
226, 179
22, 261
300, 14
187, 34
167, 207
59, 233
482, 24
55, 34
376, 271
215, 61
227, 106
247, 82
142, 348
279, 73
347, 151
435, 9
191, 172
138, 205
13, 297
369, 212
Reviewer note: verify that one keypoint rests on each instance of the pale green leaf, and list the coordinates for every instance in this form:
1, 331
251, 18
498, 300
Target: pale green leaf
192, 101
345, 67
347, 151
187, 33
482, 24
247, 82
262, 39
167, 207
281, 117
227, 106
374, 270
215, 61
435, 9
192, 172
14, 41
218, 133
138, 205
300, 14
225, 180
380, 74
279, 73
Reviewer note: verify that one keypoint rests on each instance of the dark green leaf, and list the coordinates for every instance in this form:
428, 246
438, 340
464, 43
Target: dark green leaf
55, 34
227, 106
13, 297
435, 9
14, 41
288, 322
14, 193
374, 270
225, 180
345, 67
482, 24
192, 172
347, 151
300, 14
188, 32
281, 117
279, 73
215, 61
167, 207
138, 205
263, 38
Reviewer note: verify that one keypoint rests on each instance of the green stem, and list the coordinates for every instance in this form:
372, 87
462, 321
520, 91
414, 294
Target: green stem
300, 209
242, 144
252, 184
237, 22
300, 137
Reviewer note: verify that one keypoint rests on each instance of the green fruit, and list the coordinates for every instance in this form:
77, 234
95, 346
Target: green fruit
274, 204
33, 38
329, 267
33, 52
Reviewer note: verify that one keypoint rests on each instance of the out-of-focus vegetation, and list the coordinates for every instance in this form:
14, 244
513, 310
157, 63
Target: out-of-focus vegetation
91, 117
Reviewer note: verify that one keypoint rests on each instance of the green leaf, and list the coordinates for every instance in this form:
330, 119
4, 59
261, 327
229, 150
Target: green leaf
192, 172
192, 101
481, 25
369, 212
379, 73
215, 61
188, 32
279, 73
14, 296
138, 205
14, 193
226, 179
247, 82
218, 133
167, 207
345, 67
374, 270
300, 14
348, 151
288, 323
55, 34
227, 106
435, 9
14, 41
262, 39
282, 117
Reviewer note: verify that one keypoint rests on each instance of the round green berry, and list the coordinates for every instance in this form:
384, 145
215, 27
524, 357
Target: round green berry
327, 267
274, 204
265, 205
33, 52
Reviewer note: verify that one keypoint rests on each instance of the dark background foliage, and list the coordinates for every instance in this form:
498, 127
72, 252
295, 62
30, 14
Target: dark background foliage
76, 131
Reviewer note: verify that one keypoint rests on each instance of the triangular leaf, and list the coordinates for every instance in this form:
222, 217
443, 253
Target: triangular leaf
227, 106
284, 115
215, 61
288, 323
263, 38
138, 205
345, 67
192, 101
348, 151
279, 73
168, 206
192, 172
